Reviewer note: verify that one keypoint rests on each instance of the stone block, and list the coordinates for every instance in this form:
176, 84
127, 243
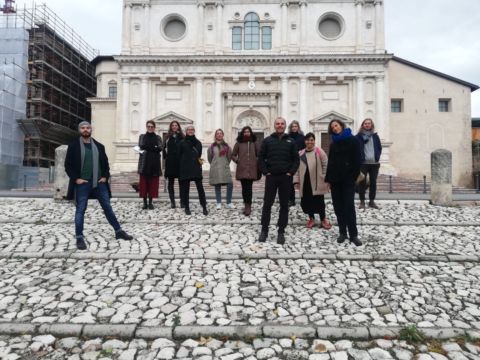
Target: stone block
17, 328
381, 332
99, 330
61, 178
441, 170
278, 331
442, 334
357, 333
232, 332
61, 330
152, 333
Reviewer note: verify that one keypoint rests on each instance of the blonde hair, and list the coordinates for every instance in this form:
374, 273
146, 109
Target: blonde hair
363, 122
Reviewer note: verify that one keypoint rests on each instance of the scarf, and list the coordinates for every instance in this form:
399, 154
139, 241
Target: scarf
222, 147
366, 135
345, 134
95, 159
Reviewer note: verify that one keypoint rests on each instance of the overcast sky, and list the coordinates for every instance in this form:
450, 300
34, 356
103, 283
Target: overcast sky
440, 34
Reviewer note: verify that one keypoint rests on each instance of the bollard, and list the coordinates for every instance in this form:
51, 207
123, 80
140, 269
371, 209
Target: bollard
441, 167
390, 187
424, 184
24, 183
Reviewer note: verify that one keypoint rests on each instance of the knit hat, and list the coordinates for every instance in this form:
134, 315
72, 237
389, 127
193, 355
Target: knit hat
83, 123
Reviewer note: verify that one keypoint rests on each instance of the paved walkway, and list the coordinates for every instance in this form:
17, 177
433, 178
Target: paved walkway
201, 287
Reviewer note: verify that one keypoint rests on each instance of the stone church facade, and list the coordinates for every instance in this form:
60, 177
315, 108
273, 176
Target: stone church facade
230, 63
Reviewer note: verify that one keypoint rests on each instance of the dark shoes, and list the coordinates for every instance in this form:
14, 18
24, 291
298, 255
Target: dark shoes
354, 240
145, 206
248, 209
123, 235
173, 205
187, 211
341, 238
263, 236
81, 245
281, 238
205, 211
362, 205
291, 203
372, 205
150, 206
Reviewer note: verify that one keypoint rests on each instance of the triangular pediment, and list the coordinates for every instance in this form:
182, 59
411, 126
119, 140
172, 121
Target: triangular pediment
170, 116
329, 116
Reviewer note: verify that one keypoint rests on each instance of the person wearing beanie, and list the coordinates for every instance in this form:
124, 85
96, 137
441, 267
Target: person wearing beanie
86, 164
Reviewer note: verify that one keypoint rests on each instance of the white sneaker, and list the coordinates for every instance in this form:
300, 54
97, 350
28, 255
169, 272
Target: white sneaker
219, 206
231, 206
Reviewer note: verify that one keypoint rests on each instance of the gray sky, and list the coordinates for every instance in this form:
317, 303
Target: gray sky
439, 34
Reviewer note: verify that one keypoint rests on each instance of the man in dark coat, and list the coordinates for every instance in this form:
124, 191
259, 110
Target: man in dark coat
279, 161
86, 164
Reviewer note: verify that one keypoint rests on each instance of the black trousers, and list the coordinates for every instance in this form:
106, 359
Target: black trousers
292, 194
372, 171
282, 183
171, 191
343, 198
247, 192
185, 192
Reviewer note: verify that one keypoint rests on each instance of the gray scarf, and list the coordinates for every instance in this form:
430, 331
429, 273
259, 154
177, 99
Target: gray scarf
95, 159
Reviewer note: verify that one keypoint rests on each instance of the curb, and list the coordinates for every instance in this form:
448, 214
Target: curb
242, 256
128, 332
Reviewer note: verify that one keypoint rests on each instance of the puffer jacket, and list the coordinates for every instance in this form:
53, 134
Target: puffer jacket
278, 155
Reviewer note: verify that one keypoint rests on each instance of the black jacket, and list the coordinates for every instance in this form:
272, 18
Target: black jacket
189, 151
149, 160
278, 155
172, 159
299, 140
344, 160
377, 146
73, 164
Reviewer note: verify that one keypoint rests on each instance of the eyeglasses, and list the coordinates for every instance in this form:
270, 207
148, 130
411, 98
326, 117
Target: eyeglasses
150, 126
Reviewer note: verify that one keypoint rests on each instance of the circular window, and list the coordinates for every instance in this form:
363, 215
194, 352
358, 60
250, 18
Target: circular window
331, 26
174, 27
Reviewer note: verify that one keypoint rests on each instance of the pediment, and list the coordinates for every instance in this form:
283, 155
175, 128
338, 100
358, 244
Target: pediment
329, 116
170, 116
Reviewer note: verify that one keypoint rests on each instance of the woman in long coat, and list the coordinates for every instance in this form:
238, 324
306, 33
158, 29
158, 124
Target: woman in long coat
245, 155
219, 155
343, 168
172, 160
190, 153
310, 177
149, 167
296, 134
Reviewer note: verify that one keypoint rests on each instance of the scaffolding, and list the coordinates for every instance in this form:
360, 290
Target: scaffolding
61, 78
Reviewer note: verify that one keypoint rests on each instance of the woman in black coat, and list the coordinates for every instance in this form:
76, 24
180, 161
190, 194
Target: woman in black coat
190, 153
172, 160
149, 167
296, 134
344, 160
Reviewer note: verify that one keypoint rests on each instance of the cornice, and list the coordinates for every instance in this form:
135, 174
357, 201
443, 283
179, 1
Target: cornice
101, 100
254, 59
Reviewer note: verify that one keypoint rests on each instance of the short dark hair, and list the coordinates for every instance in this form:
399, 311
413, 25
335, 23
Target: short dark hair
340, 122
309, 135
151, 122
240, 134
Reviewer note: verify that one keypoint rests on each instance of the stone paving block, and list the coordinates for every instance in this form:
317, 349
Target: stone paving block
320, 256
279, 331
463, 258
222, 257
357, 257
157, 256
232, 332
27, 255
188, 256
381, 332
432, 258
410, 223
5, 255
89, 255
294, 256
151, 333
57, 255
442, 333
122, 331
61, 330
256, 255
17, 328
474, 334
127, 256
357, 333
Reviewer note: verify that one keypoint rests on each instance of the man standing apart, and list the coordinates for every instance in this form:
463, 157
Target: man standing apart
279, 161
86, 164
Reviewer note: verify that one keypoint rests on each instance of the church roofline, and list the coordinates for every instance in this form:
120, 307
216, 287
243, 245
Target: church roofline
321, 58
472, 86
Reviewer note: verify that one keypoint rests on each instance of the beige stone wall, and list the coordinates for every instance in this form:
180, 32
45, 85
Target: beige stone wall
421, 128
104, 125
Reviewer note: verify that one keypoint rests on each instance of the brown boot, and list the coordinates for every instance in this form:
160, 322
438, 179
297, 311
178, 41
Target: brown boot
372, 205
248, 209
362, 205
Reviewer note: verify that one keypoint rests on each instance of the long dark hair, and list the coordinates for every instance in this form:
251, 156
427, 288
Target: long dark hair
240, 134
363, 122
340, 122
170, 131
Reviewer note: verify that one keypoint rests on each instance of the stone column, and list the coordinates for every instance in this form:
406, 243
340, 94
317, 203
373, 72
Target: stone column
303, 24
441, 163
284, 25
145, 103
61, 177
303, 104
379, 27
359, 22
146, 24
273, 109
230, 119
360, 101
284, 110
124, 126
219, 30
199, 108
127, 29
218, 104
201, 26
380, 120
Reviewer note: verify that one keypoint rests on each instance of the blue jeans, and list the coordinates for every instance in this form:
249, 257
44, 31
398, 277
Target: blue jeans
82, 192
218, 193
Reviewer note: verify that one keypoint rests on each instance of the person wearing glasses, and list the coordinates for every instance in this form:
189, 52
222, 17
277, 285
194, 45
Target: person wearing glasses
149, 167
172, 161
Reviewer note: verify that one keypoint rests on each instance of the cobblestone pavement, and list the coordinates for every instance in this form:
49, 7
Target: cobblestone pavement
183, 278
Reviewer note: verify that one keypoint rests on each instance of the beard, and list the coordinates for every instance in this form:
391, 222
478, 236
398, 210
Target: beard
86, 134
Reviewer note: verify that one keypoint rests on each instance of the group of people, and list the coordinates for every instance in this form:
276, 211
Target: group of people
287, 160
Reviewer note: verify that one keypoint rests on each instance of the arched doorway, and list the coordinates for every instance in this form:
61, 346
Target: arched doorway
255, 120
